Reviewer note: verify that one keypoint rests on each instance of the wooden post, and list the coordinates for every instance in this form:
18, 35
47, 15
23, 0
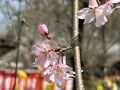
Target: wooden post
79, 81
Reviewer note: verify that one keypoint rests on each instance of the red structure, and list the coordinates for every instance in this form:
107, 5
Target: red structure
33, 81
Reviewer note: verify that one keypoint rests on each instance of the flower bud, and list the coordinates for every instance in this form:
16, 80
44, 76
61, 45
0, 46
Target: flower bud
43, 30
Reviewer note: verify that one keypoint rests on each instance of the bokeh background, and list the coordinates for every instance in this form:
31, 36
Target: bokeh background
100, 47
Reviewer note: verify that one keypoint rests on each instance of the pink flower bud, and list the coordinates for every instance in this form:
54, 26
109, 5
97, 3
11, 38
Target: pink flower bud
93, 4
43, 30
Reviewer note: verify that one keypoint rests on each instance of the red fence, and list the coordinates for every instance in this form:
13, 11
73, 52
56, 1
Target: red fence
32, 82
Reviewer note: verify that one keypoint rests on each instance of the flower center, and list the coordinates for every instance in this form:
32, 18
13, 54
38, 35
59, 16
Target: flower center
59, 71
45, 53
93, 10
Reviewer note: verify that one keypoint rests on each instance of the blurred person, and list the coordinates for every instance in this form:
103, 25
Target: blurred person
117, 66
109, 82
118, 80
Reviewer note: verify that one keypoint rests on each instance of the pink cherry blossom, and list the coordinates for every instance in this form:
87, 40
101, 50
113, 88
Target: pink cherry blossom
40, 47
44, 55
43, 30
50, 62
60, 73
95, 13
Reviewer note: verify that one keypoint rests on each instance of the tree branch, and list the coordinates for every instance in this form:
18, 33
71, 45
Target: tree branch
77, 60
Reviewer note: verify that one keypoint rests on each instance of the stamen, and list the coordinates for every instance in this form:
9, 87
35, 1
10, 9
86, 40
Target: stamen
59, 70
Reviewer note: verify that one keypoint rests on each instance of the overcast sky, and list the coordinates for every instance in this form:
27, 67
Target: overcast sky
4, 17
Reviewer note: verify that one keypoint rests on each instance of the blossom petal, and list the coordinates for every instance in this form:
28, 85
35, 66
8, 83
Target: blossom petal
105, 9
100, 20
39, 61
89, 18
92, 4
47, 71
52, 77
60, 82
82, 13
35, 52
46, 46
101, 7
47, 78
53, 55
47, 63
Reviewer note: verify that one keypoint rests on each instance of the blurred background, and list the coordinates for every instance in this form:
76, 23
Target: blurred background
100, 47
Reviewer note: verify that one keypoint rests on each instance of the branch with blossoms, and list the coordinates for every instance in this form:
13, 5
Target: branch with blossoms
97, 11
50, 60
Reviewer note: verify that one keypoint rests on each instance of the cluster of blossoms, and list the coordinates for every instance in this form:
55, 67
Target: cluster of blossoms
97, 12
50, 60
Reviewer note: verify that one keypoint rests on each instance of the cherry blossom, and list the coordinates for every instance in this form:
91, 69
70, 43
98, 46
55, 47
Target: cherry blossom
40, 48
59, 73
52, 68
97, 13
45, 55
50, 62
91, 13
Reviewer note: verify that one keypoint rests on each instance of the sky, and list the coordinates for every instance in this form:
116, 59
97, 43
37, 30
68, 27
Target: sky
4, 18
14, 4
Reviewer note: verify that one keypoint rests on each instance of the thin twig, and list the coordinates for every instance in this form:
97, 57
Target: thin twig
18, 44
109, 47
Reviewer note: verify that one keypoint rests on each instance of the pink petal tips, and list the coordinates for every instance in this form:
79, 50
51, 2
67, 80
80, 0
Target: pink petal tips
43, 30
93, 4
